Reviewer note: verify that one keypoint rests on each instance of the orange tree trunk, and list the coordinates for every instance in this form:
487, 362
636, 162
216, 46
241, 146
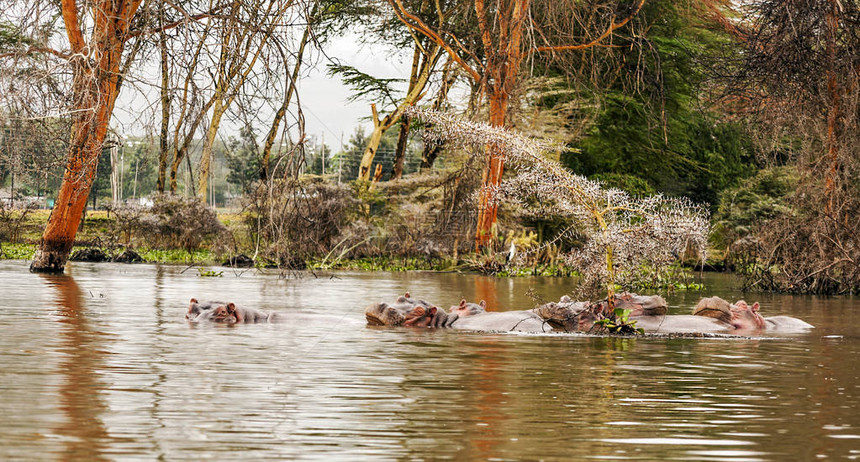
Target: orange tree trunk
94, 90
488, 206
504, 56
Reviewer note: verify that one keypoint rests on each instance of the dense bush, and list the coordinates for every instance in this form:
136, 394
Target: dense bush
298, 218
172, 222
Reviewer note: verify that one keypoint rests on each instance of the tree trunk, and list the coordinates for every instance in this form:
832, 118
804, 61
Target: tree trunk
95, 89
373, 141
208, 142
833, 93
414, 94
488, 207
265, 170
165, 109
59, 236
180, 150
403, 136
503, 65
400, 153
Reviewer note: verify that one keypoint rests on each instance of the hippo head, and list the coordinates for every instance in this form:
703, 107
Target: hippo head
420, 316
469, 309
567, 315
219, 313
714, 307
746, 317
642, 305
195, 308
383, 314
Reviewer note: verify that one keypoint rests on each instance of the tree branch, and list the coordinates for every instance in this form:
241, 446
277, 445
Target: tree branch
414, 22
609, 30
33, 50
73, 28
172, 25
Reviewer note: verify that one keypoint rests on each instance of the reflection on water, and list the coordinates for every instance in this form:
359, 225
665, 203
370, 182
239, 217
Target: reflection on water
80, 390
102, 365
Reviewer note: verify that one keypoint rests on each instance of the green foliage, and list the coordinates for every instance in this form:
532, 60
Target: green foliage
17, 251
673, 278
243, 159
177, 256
365, 85
757, 199
209, 273
11, 38
619, 323
659, 133
631, 184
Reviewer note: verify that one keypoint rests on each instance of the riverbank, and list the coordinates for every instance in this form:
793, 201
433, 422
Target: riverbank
104, 236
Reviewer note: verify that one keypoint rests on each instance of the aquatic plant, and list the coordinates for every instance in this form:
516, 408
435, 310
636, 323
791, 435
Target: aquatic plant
620, 323
621, 234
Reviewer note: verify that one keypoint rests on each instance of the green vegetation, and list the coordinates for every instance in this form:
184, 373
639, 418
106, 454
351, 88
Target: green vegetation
620, 323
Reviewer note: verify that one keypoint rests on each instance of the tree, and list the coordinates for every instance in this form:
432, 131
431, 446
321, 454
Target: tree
243, 159
97, 60
654, 121
492, 60
798, 79
425, 57
243, 39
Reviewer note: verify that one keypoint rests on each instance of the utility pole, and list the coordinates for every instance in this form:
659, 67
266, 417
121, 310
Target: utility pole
136, 168
340, 159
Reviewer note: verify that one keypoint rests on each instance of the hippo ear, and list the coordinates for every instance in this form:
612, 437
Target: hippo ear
407, 295
462, 302
483, 304
755, 306
432, 311
193, 300
231, 308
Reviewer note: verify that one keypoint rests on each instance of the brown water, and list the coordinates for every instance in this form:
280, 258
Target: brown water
101, 365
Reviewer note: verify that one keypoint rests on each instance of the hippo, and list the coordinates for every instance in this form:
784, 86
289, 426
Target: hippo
570, 316
230, 313
638, 305
567, 315
711, 315
481, 320
741, 315
383, 314
466, 316
195, 307
468, 309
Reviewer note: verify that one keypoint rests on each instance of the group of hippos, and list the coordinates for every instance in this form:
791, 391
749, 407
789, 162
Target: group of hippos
648, 314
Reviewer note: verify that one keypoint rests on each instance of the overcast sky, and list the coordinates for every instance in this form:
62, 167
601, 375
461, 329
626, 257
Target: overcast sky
324, 98
327, 112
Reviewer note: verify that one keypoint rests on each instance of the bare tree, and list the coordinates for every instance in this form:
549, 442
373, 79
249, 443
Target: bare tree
799, 78
92, 58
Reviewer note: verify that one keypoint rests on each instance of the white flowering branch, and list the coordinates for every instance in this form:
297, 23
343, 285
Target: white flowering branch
622, 233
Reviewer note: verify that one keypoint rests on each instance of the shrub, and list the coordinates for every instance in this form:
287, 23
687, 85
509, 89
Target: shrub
176, 222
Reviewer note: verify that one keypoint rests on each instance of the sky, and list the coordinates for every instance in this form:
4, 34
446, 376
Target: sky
324, 98
328, 113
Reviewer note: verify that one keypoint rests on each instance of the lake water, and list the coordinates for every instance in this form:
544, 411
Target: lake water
100, 364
